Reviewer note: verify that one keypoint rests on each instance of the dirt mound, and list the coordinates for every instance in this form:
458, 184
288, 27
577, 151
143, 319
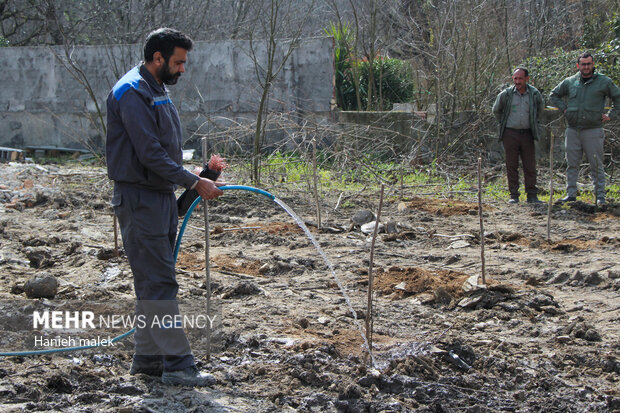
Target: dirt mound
399, 282
444, 207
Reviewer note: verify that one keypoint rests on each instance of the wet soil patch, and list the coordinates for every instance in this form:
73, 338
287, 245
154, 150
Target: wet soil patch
401, 282
568, 245
239, 265
190, 261
565, 245
610, 210
444, 207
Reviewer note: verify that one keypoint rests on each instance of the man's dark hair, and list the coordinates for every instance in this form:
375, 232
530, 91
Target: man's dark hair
585, 55
164, 40
525, 71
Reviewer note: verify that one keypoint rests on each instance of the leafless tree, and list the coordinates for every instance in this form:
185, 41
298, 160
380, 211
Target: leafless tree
36, 22
273, 17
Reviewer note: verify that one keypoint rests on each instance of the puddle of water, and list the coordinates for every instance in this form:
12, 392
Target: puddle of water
303, 226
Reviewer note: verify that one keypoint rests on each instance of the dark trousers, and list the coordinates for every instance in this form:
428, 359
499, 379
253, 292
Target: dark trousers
520, 144
148, 222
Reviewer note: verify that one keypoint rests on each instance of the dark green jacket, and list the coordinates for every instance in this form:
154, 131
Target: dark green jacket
585, 101
502, 106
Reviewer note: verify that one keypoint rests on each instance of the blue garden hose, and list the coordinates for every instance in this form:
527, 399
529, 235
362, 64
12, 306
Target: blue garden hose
197, 201
176, 253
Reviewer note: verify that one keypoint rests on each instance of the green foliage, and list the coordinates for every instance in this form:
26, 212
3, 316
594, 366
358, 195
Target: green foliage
287, 167
606, 60
343, 39
393, 78
614, 25
3, 42
595, 32
599, 33
368, 173
393, 83
547, 71
601, 38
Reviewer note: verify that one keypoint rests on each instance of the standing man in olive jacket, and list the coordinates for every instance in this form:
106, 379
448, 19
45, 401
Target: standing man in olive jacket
581, 98
517, 110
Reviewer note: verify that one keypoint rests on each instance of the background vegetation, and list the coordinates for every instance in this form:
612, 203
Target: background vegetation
448, 58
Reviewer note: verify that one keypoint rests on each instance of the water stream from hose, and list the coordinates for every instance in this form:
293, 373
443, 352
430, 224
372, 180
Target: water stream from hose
316, 244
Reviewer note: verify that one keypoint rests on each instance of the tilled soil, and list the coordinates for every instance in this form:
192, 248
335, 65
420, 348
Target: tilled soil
541, 335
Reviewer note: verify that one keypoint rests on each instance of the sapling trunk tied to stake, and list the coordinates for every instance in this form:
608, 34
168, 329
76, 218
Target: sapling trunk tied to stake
481, 220
550, 205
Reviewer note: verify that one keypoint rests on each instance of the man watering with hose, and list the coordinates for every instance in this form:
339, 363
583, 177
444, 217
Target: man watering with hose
143, 152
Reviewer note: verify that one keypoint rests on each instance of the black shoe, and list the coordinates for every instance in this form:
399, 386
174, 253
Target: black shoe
568, 199
189, 376
533, 199
513, 200
601, 202
151, 368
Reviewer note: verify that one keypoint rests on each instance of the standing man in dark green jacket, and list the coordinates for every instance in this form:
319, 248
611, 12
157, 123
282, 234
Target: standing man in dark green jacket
517, 110
584, 110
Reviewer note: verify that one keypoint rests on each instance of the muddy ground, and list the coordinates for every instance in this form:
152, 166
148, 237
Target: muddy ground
543, 336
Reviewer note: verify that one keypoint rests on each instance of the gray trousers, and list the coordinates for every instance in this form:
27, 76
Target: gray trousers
148, 222
589, 141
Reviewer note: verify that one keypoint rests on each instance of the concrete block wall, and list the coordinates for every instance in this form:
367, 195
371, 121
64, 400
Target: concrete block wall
42, 104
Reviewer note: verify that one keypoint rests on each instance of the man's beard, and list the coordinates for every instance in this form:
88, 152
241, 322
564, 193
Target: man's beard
166, 77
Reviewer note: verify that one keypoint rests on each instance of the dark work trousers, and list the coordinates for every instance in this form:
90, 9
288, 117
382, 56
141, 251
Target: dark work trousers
520, 143
148, 222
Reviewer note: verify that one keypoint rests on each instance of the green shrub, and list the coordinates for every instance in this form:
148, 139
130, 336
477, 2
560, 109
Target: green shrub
393, 83
393, 79
547, 71
601, 38
343, 39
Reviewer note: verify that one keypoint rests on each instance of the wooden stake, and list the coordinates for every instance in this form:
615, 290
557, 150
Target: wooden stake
481, 220
550, 189
207, 253
595, 174
371, 277
402, 180
316, 190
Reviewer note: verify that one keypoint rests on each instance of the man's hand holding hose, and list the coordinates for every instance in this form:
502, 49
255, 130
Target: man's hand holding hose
206, 186
207, 189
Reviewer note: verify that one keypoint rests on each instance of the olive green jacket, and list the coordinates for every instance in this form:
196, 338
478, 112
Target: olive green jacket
502, 107
583, 103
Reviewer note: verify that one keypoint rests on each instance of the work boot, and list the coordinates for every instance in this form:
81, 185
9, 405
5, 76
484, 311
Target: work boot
189, 376
568, 198
533, 199
150, 368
